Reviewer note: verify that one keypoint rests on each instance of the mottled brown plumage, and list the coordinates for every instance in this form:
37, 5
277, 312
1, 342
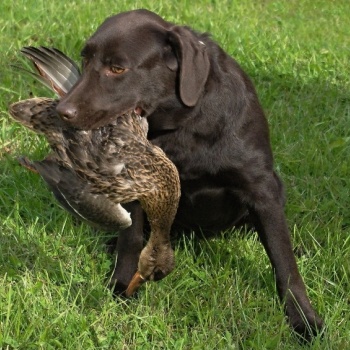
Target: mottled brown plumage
91, 172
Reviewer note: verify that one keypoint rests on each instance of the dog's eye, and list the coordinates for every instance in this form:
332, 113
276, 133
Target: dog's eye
117, 69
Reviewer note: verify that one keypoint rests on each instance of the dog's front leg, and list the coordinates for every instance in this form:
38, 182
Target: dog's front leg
128, 249
270, 222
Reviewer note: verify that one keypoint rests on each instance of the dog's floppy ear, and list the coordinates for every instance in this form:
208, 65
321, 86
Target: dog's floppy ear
193, 62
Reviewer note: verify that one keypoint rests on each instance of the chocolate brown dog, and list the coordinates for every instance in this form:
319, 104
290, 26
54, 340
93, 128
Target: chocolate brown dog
204, 113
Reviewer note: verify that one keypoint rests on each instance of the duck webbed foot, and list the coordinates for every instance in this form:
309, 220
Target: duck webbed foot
156, 261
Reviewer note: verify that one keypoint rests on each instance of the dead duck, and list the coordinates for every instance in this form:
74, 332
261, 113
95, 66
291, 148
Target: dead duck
91, 172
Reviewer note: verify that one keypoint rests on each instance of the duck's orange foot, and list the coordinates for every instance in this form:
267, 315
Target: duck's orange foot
135, 284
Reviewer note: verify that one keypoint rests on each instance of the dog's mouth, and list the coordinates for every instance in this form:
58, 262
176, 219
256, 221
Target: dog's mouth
102, 120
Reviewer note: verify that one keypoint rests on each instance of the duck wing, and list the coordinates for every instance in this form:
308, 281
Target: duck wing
55, 70
76, 197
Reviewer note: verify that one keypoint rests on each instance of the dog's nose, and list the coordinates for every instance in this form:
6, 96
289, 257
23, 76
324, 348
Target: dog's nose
66, 111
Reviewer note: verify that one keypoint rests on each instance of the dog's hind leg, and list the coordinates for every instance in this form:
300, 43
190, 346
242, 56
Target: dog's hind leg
271, 225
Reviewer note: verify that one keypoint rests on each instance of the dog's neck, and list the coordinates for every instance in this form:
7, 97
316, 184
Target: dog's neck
168, 122
170, 116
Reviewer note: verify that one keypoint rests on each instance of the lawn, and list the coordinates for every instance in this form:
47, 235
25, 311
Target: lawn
54, 272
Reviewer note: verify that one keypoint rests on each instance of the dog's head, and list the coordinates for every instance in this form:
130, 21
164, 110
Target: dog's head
135, 60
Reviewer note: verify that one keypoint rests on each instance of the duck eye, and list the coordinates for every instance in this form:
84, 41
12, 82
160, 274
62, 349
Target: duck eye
117, 69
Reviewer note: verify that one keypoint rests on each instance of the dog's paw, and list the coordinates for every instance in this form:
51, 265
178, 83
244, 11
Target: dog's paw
305, 321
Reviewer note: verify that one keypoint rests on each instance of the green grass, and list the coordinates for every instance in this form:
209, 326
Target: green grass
54, 273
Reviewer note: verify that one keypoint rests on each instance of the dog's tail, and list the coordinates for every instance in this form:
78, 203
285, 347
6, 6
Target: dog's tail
54, 69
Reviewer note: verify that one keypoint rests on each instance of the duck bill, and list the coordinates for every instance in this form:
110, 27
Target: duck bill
135, 284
